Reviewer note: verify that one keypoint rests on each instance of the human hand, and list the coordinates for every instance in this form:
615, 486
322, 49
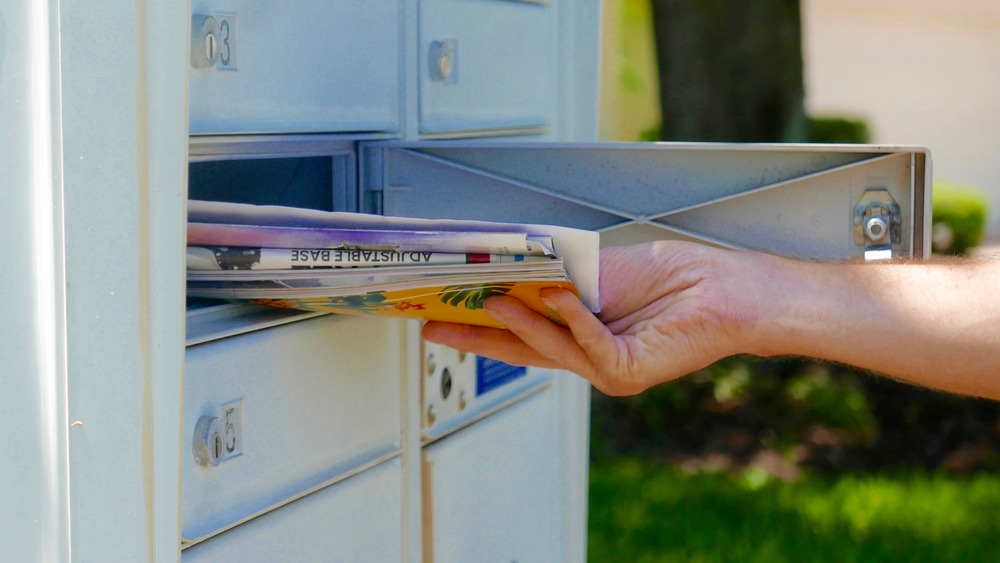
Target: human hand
668, 309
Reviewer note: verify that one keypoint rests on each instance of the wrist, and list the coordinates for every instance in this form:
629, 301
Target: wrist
809, 309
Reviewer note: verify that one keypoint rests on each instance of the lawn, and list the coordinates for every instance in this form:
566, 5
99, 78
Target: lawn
642, 511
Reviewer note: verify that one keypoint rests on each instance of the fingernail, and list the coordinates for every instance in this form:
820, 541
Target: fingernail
493, 312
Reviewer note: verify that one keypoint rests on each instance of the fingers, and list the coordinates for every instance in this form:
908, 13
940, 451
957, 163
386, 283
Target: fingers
494, 343
549, 340
592, 336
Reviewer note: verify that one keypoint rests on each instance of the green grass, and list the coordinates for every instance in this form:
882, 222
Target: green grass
644, 512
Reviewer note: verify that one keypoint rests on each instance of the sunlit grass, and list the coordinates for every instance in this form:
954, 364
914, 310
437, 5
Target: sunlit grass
644, 512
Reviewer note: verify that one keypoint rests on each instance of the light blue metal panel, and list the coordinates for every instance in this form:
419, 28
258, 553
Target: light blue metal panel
494, 487
302, 66
500, 56
123, 132
167, 135
34, 518
420, 187
641, 179
807, 216
314, 409
355, 520
579, 46
794, 199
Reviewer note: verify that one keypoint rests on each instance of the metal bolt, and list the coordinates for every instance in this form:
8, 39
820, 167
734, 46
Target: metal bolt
445, 383
431, 366
430, 415
461, 400
876, 228
461, 356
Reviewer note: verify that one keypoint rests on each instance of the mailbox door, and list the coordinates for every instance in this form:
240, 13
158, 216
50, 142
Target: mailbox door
354, 520
315, 402
797, 200
294, 66
486, 67
491, 490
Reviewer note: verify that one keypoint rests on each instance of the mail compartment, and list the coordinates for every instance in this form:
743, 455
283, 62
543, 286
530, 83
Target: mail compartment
355, 520
294, 66
486, 65
492, 490
275, 414
458, 389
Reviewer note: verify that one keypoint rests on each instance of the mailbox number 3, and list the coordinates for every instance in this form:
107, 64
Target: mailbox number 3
226, 50
227, 42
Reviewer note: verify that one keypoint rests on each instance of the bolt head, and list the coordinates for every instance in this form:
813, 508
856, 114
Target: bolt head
876, 228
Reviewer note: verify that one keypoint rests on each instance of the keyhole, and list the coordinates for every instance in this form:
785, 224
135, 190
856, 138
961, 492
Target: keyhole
211, 47
444, 66
445, 383
217, 446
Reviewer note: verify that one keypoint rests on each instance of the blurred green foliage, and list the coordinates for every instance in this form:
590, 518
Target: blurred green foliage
828, 416
959, 217
838, 130
644, 512
651, 134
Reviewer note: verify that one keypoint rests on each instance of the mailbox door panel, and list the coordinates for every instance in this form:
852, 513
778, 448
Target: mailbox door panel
485, 65
492, 489
299, 66
354, 520
319, 399
798, 200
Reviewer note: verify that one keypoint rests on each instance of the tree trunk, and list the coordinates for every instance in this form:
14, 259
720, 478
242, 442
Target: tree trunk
730, 70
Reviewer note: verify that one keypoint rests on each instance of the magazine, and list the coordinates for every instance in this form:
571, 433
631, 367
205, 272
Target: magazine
368, 264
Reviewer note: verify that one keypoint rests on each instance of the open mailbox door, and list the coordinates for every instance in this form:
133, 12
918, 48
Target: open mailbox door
506, 447
834, 202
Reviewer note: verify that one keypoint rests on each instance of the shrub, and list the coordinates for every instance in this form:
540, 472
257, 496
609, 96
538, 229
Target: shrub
959, 217
838, 130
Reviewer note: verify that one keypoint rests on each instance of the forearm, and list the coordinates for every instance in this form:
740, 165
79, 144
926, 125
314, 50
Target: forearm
931, 324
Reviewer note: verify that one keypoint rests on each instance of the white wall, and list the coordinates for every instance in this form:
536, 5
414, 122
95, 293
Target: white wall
923, 72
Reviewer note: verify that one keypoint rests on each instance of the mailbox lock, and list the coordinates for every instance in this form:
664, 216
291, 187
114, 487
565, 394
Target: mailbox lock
209, 442
204, 41
442, 61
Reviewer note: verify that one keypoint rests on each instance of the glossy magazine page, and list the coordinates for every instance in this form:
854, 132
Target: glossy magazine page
364, 264
577, 248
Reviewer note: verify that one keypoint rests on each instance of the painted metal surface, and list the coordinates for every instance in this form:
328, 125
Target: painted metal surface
303, 67
796, 200
35, 518
506, 464
321, 398
500, 62
354, 520
122, 137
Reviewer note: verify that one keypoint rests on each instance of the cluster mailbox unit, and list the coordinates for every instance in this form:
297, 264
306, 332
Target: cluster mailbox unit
141, 425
